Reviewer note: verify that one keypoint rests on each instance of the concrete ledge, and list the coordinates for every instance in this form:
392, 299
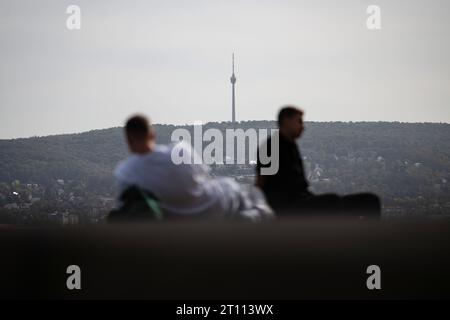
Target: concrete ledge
283, 259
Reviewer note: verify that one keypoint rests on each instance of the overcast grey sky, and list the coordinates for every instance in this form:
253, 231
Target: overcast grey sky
172, 61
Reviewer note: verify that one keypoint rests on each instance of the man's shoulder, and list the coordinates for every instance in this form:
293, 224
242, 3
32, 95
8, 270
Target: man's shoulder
122, 167
161, 153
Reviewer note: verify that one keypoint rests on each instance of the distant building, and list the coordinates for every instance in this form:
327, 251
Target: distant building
69, 218
33, 200
73, 218
11, 206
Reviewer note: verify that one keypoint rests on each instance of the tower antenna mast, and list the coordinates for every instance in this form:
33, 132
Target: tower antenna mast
233, 104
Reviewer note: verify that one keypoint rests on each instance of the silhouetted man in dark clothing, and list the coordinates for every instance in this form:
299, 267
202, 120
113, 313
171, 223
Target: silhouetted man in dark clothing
287, 190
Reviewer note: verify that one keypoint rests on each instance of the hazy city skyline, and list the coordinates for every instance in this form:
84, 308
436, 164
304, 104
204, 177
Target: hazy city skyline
172, 61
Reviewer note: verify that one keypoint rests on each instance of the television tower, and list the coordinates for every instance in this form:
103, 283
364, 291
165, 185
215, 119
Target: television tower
233, 104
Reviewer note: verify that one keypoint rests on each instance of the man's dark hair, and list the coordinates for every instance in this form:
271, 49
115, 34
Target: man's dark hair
288, 112
137, 126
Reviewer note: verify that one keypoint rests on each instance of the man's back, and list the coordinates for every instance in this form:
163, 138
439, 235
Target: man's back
181, 189
289, 181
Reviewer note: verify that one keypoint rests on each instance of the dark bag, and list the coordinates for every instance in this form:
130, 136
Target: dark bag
137, 205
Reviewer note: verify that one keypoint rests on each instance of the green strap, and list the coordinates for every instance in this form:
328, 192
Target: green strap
152, 204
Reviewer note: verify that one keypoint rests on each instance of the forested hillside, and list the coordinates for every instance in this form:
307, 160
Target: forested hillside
407, 164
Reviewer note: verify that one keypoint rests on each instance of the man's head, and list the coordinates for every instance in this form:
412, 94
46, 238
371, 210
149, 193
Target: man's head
140, 134
290, 122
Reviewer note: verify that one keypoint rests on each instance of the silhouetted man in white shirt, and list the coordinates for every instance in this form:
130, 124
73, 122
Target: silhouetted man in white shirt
182, 190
